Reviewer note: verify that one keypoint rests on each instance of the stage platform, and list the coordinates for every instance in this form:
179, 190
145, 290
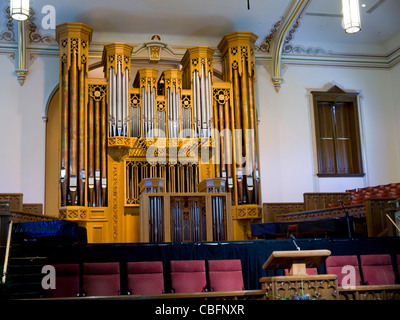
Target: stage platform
253, 254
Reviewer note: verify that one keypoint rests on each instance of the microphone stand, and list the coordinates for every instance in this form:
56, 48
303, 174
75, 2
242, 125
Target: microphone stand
347, 218
293, 239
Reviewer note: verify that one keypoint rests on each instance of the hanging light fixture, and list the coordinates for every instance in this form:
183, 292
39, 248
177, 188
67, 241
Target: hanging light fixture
351, 16
19, 9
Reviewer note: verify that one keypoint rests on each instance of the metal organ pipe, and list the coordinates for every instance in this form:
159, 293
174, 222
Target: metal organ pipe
119, 101
114, 103
73, 129
203, 101
110, 103
126, 97
197, 97
209, 110
64, 135
82, 176
144, 113
153, 109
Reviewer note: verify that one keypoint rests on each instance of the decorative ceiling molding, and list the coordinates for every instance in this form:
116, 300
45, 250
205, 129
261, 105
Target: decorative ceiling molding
8, 35
299, 55
282, 36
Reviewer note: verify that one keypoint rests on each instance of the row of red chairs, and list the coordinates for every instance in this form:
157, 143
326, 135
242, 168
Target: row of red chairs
391, 190
146, 277
375, 269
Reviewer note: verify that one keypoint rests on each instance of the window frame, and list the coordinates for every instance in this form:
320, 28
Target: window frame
336, 95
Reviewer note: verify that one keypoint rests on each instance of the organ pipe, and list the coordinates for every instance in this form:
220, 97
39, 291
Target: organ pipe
117, 65
82, 117
73, 40
64, 134
91, 181
237, 51
103, 151
73, 133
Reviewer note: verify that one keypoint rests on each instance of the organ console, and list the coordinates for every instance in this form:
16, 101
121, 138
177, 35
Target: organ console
182, 125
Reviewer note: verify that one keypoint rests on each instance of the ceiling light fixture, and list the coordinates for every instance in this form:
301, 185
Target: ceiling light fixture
19, 9
351, 16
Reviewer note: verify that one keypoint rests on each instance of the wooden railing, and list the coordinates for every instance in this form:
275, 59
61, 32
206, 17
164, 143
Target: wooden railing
357, 211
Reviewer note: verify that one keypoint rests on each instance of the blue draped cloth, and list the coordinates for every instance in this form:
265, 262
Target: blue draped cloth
54, 229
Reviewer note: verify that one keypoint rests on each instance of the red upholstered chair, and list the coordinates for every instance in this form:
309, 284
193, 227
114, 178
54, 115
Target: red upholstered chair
377, 269
101, 279
188, 276
225, 275
335, 264
145, 277
67, 281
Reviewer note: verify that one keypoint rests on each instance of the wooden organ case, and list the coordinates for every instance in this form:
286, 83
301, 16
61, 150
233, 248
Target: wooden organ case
159, 157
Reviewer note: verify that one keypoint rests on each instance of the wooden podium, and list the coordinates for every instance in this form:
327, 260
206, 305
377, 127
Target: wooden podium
297, 283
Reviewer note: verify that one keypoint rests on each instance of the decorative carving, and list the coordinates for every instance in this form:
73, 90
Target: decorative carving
249, 212
357, 211
33, 208
97, 91
73, 213
8, 35
114, 202
317, 287
34, 35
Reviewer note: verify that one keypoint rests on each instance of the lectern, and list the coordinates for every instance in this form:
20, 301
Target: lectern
297, 282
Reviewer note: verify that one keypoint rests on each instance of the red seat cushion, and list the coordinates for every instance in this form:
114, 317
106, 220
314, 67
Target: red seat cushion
101, 279
67, 281
188, 276
145, 277
377, 269
225, 275
335, 264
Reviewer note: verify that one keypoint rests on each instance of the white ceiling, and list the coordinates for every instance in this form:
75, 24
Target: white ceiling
213, 18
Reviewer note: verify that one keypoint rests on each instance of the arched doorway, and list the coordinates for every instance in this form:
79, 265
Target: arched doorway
52, 154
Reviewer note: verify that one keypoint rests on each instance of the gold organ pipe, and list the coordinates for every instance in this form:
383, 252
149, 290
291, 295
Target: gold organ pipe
245, 134
253, 126
217, 143
222, 139
245, 113
64, 134
73, 138
91, 151
228, 146
238, 125
97, 151
104, 150
82, 177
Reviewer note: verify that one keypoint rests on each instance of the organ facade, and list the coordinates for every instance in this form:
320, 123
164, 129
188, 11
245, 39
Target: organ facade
165, 155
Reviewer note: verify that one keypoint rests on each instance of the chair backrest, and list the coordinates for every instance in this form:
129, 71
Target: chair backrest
335, 264
67, 281
188, 276
145, 277
377, 269
101, 279
225, 275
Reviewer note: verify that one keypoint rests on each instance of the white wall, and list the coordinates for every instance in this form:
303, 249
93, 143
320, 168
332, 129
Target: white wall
288, 162
22, 130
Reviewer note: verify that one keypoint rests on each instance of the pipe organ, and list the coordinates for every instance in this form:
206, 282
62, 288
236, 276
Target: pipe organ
183, 126
74, 52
